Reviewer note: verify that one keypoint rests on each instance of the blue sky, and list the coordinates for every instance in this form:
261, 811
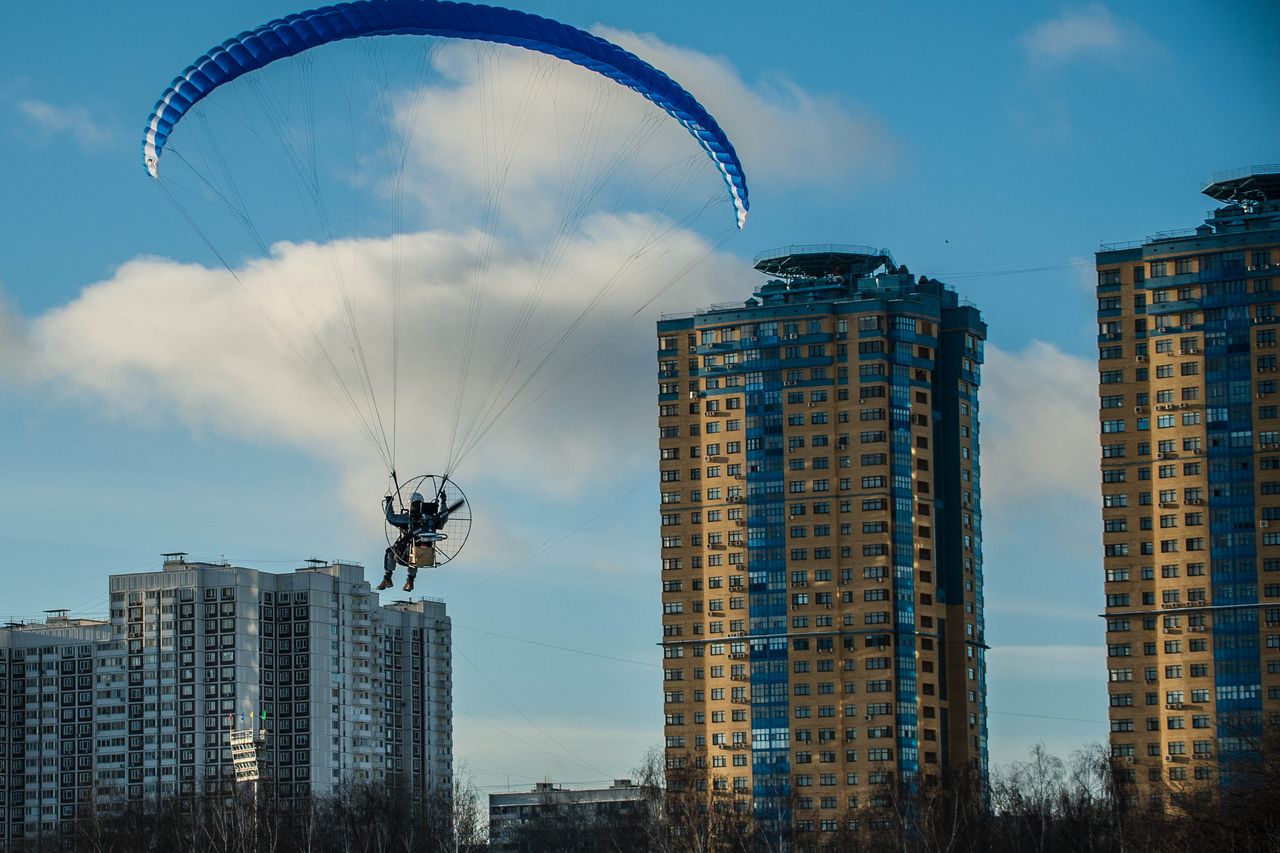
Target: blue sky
974, 141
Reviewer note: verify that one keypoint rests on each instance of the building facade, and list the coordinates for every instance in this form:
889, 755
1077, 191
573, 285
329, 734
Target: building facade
142, 704
823, 634
1190, 431
619, 804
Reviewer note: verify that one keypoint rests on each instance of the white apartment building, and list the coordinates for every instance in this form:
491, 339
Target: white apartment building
141, 705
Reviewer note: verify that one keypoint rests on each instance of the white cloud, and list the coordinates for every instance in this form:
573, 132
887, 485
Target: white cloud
238, 358
190, 341
557, 117
1085, 32
1039, 429
782, 132
74, 119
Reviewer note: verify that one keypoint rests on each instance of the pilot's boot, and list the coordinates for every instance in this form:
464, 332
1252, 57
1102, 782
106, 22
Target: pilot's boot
388, 568
408, 584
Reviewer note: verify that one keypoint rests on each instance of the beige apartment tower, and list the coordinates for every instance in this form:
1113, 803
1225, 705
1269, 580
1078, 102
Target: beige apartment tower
1189, 409
822, 619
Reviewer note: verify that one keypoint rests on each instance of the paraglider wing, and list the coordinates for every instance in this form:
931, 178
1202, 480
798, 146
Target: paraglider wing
294, 34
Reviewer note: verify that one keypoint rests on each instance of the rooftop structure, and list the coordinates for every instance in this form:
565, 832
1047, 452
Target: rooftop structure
1249, 185
824, 260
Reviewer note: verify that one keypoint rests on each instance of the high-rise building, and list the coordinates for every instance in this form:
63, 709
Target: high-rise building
1190, 431
142, 704
821, 537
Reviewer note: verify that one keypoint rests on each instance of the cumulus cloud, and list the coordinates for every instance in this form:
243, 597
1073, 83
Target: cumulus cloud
243, 358
238, 353
72, 119
1040, 431
1040, 491
784, 133
1084, 32
558, 117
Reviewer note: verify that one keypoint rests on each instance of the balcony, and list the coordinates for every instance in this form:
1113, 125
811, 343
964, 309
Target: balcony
1173, 307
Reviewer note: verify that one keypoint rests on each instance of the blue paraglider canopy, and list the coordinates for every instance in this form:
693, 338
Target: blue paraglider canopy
294, 34
429, 218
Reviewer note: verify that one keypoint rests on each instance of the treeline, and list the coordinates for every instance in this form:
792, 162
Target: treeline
1087, 803
355, 818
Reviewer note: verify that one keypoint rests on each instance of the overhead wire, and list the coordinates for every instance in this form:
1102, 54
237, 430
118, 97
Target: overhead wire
510, 736
566, 750
650, 665
604, 510
545, 645
961, 274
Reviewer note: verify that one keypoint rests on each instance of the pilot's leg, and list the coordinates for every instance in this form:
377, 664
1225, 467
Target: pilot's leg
388, 569
413, 573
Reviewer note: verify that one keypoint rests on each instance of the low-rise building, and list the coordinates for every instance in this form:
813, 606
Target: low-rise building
510, 811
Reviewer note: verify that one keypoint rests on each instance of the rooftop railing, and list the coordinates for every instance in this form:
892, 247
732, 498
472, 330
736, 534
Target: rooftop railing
819, 249
1244, 172
1172, 234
